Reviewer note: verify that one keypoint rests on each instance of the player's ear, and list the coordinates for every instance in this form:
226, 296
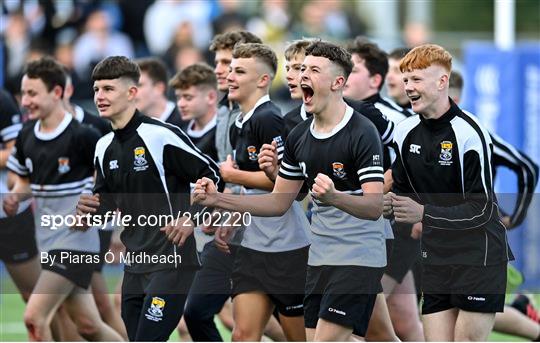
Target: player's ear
58, 91
443, 81
376, 80
264, 81
132, 92
338, 83
162, 87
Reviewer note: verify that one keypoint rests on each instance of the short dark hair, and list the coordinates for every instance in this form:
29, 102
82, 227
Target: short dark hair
48, 70
297, 47
259, 51
227, 40
198, 74
456, 80
375, 59
398, 53
154, 68
115, 67
334, 53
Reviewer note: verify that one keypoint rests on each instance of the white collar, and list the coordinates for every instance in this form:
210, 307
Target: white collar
79, 113
348, 114
49, 136
303, 113
199, 133
245, 118
168, 111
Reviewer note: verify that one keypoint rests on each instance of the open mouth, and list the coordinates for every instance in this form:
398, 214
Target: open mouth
307, 93
102, 107
414, 98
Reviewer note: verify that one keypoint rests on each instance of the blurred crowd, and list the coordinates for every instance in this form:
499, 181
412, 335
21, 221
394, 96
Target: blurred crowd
79, 33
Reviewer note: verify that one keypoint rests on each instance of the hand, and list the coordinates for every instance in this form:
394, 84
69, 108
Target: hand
11, 204
227, 168
205, 192
87, 204
268, 160
323, 189
407, 210
177, 231
211, 229
387, 205
416, 231
507, 222
222, 237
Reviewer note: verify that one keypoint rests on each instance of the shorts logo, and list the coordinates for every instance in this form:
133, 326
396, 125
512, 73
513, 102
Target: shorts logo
333, 310
140, 162
252, 153
339, 170
445, 158
470, 297
155, 312
63, 165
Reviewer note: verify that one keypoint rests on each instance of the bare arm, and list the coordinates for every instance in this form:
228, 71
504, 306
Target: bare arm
249, 179
369, 206
264, 205
5, 152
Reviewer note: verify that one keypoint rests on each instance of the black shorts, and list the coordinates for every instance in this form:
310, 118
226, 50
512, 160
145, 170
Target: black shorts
18, 238
405, 252
470, 288
214, 277
105, 237
76, 266
280, 275
344, 295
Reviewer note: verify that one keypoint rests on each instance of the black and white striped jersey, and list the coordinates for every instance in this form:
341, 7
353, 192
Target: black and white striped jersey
10, 125
172, 115
204, 139
504, 154
145, 170
350, 155
59, 167
264, 124
445, 164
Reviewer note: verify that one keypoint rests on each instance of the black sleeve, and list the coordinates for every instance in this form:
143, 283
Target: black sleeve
477, 207
526, 172
86, 140
385, 127
367, 151
289, 168
16, 161
268, 127
106, 199
10, 118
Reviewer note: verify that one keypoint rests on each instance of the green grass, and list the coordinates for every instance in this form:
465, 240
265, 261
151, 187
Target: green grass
12, 309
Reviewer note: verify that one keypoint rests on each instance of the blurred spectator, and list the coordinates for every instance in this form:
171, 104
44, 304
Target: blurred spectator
273, 22
17, 43
164, 16
231, 18
415, 34
97, 42
132, 12
187, 56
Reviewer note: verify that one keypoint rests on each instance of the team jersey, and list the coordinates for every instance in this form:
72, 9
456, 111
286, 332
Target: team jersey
350, 155
10, 125
445, 165
264, 124
100, 124
145, 170
59, 167
204, 139
172, 116
226, 117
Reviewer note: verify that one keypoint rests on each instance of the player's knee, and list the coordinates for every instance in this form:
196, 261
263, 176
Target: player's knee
34, 323
405, 328
244, 334
88, 328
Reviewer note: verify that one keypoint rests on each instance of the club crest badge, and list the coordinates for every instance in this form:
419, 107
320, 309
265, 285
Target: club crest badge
445, 157
63, 165
339, 170
252, 153
140, 163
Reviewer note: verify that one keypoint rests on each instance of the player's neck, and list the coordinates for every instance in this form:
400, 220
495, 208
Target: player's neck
249, 103
158, 108
330, 116
50, 122
438, 109
120, 120
201, 122
69, 108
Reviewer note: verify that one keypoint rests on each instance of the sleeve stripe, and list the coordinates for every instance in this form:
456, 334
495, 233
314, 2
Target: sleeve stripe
11, 129
368, 176
16, 169
281, 170
388, 134
367, 169
288, 166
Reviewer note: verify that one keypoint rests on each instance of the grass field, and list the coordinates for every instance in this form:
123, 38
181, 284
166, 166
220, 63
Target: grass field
12, 309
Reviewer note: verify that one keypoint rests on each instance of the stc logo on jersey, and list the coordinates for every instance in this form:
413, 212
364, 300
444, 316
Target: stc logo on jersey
415, 149
140, 163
